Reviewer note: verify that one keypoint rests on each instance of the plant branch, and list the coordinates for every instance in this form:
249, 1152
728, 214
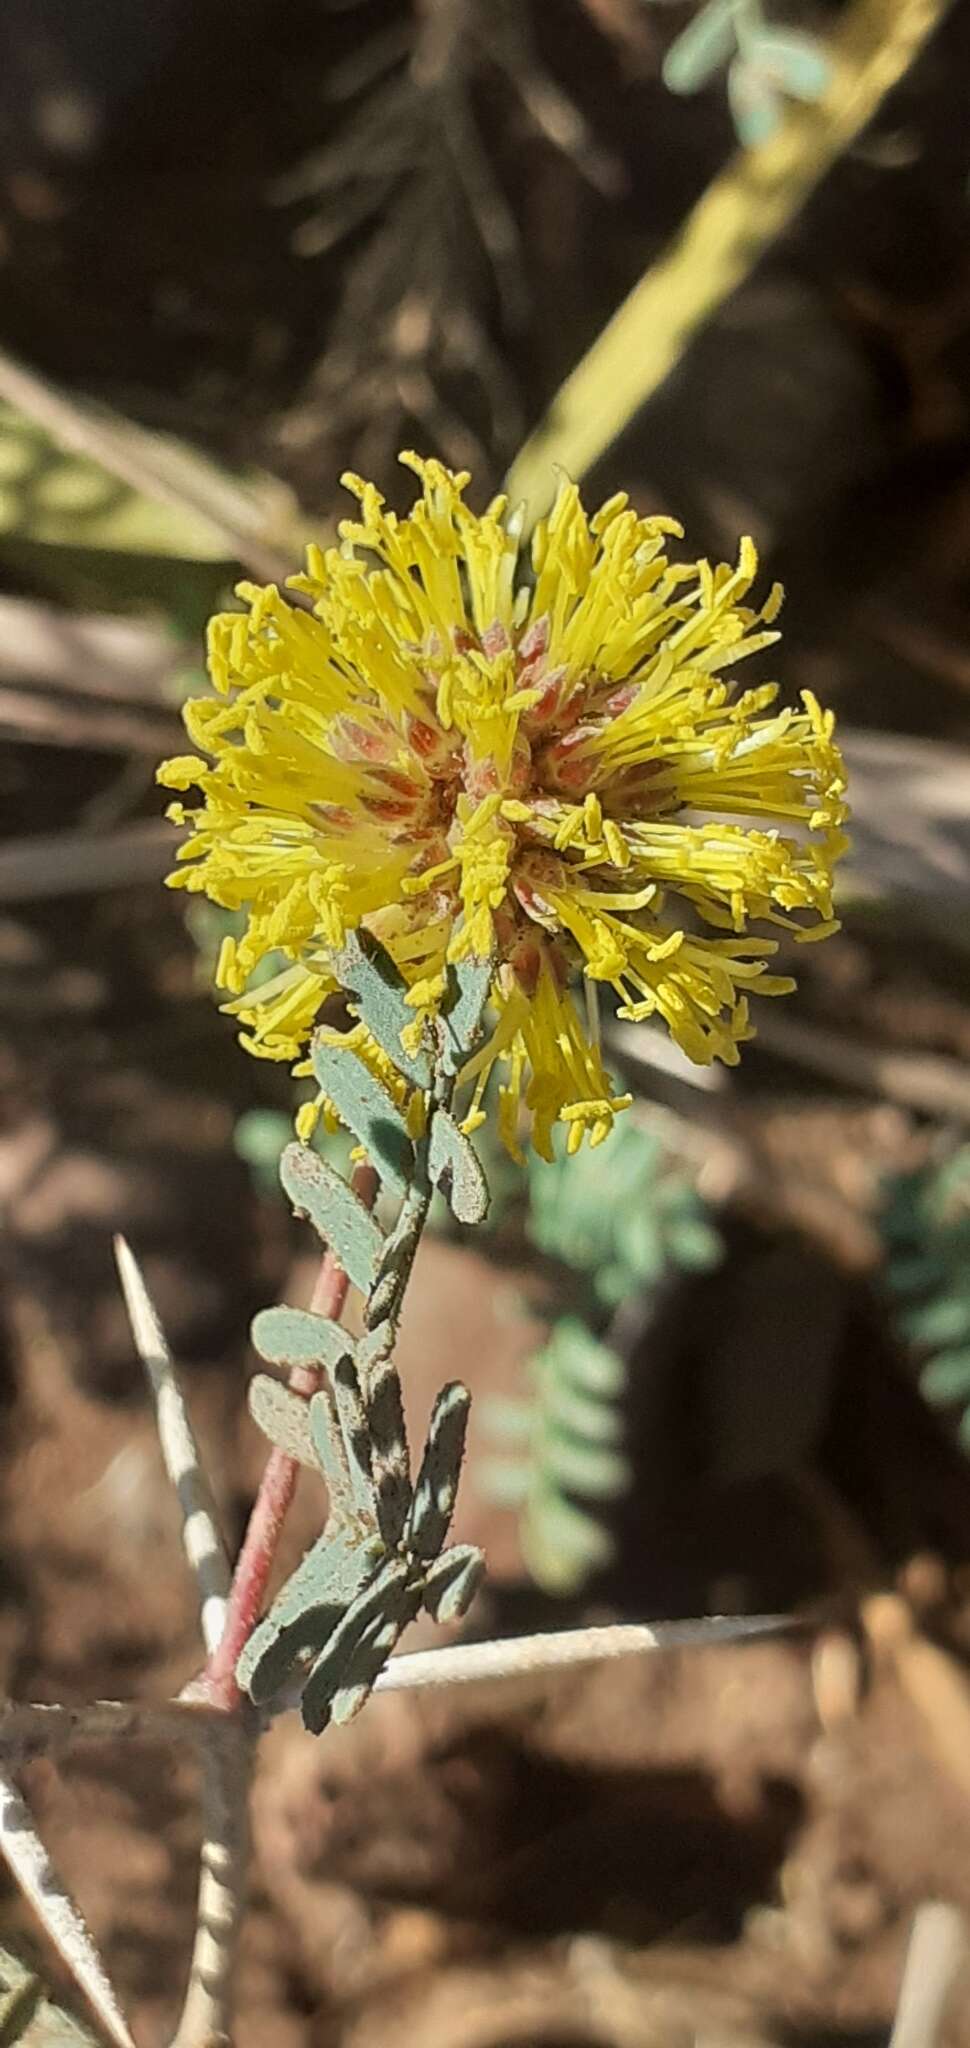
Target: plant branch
518, 1656
201, 1537
749, 203
28, 1729
277, 1487
227, 1759
527, 1656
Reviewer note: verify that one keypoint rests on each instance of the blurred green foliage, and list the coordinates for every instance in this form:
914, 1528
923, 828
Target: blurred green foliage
619, 1222
619, 1215
926, 1230
765, 64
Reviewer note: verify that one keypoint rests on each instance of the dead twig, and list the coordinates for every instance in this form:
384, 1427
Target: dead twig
523, 1656
925, 1081
34, 1730
48, 1730
651, 1046
910, 832
423, 321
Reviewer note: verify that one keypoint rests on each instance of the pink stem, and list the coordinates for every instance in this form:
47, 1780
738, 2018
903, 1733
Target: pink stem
277, 1487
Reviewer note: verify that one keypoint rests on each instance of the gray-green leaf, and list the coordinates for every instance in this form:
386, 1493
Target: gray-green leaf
437, 1483
283, 1417
706, 44
296, 1336
454, 1167
584, 1362
756, 108
369, 976
792, 60
593, 1471
469, 982
368, 1110
317, 1191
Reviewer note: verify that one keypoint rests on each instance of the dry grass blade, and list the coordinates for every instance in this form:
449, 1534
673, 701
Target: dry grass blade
910, 819
227, 1748
226, 1745
31, 1866
129, 660
521, 1656
925, 1081
27, 716
937, 1949
202, 1541
217, 516
78, 863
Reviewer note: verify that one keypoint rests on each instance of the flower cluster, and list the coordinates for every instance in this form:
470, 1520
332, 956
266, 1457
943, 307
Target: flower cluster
536, 756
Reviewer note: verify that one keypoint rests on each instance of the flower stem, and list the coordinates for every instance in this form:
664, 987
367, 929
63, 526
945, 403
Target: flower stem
277, 1487
751, 201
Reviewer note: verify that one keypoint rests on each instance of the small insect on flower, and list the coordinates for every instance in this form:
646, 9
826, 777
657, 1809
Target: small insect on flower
538, 757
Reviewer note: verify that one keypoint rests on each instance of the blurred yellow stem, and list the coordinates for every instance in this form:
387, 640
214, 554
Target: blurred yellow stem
748, 204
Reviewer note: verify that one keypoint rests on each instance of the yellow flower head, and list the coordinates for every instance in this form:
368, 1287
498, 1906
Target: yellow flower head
556, 769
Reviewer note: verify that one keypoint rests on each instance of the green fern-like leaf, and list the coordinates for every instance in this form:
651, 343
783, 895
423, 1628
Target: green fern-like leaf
619, 1215
622, 1220
926, 1233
